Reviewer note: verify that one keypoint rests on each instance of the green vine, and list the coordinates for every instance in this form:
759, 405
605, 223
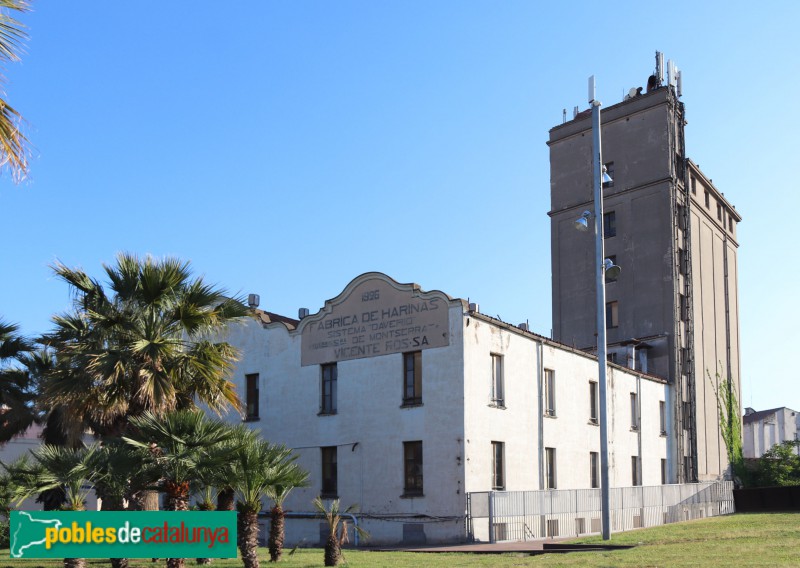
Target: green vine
730, 423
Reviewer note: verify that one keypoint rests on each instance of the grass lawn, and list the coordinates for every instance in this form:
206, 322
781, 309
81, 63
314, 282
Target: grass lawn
733, 540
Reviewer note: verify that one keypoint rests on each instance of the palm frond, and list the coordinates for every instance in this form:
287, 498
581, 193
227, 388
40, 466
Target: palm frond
14, 146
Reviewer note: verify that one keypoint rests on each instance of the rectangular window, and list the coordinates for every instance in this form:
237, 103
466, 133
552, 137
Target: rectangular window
662, 417
682, 217
663, 471
593, 402
683, 261
412, 455
550, 471
609, 166
412, 378
594, 469
635, 477
634, 411
251, 396
330, 474
498, 466
498, 390
549, 392
611, 357
708, 200
694, 186
719, 212
684, 307
730, 223
609, 224
328, 389
612, 315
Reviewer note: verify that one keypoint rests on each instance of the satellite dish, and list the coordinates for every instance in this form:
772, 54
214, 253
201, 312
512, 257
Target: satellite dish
632, 93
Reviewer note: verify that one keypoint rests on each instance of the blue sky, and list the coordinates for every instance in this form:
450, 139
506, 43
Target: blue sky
287, 147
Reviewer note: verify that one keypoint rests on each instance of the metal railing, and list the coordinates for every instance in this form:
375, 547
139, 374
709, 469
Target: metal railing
496, 516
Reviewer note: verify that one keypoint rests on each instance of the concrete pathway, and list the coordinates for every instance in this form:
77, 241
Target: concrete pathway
523, 547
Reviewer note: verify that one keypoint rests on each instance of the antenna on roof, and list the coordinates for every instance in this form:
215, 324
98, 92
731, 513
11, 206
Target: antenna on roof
575, 112
564, 116
672, 74
659, 69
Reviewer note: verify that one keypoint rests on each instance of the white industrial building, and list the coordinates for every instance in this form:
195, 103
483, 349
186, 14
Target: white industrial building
403, 401
764, 428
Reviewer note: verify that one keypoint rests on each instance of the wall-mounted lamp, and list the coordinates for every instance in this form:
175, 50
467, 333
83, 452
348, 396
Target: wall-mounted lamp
582, 222
612, 270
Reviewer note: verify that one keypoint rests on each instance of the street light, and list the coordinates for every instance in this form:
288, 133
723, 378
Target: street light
611, 270
603, 268
582, 222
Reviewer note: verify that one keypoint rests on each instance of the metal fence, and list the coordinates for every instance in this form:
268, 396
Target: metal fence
496, 516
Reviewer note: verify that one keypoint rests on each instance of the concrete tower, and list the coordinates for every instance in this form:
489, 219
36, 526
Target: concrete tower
674, 311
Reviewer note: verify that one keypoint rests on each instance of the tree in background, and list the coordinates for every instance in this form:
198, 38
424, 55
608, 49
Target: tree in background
15, 475
218, 483
288, 475
261, 467
121, 472
143, 343
780, 465
17, 393
179, 446
337, 528
67, 468
13, 144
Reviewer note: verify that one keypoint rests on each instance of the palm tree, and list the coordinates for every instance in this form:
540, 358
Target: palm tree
17, 396
337, 529
14, 476
121, 471
179, 445
142, 343
260, 467
67, 468
220, 479
290, 475
13, 144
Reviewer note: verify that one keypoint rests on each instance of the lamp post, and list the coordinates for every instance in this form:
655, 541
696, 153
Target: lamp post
603, 267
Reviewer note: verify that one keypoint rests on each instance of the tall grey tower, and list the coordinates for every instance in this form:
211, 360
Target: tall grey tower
673, 312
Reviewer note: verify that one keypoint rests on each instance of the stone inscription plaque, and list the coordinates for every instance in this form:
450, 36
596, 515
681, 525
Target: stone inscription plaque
375, 319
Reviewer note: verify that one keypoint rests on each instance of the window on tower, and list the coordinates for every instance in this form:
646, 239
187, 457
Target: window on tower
609, 224
612, 315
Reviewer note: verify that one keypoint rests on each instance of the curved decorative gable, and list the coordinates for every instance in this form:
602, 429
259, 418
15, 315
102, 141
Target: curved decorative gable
375, 315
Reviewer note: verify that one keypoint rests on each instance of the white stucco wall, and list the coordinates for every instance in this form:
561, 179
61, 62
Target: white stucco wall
369, 428
456, 422
570, 431
758, 436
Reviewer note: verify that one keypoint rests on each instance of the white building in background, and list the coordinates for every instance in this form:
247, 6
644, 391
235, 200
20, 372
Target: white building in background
403, 401
764, 428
